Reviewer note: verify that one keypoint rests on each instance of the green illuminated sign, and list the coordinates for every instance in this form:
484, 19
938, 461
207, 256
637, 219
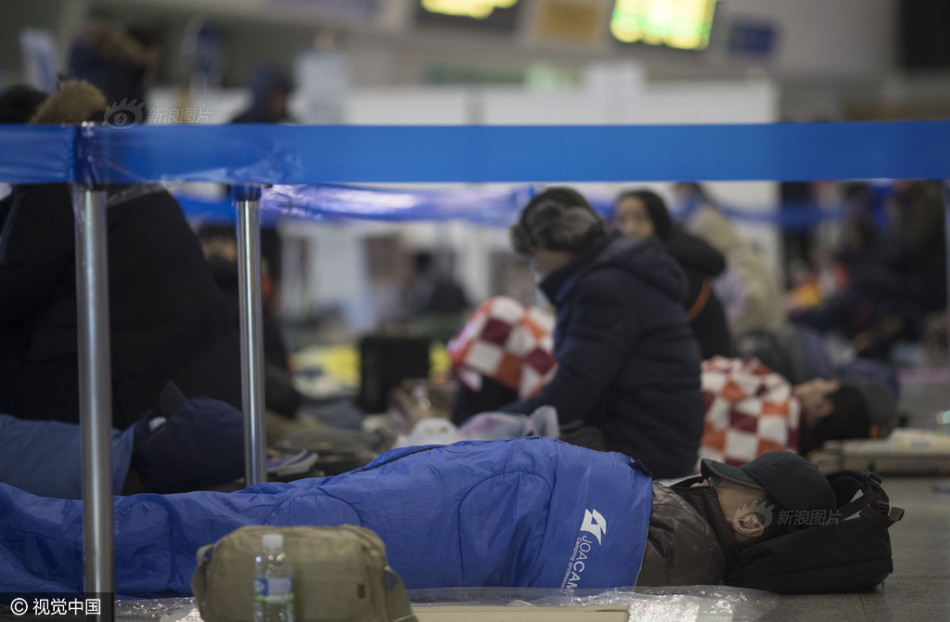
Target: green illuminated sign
683, 24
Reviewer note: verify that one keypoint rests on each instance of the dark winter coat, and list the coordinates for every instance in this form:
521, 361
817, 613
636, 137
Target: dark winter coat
279, 392
168, 321
689, 541
707, 317
628, 362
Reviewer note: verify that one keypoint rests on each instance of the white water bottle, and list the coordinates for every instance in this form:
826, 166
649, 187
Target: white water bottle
273, 582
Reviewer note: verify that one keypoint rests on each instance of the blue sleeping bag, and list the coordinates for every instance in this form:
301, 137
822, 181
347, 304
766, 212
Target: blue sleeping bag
44, 457
529, 512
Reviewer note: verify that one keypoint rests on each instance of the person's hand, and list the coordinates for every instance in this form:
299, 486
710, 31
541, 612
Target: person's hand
813, 396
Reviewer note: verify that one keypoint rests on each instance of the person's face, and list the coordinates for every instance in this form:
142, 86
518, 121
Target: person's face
631, 218
743, 507
683, 191
544, 262
278, 105
813, 396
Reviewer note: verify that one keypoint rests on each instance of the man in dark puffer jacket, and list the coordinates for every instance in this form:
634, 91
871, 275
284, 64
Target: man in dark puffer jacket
628, 377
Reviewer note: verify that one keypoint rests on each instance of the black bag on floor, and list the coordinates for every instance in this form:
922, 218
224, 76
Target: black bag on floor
385, 361
851, 552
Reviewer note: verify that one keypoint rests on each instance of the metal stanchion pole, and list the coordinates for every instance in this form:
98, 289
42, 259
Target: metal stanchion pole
946, 233
95, 390
247, 202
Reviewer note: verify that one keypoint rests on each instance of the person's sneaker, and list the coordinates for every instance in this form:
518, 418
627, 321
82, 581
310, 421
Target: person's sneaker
287, 466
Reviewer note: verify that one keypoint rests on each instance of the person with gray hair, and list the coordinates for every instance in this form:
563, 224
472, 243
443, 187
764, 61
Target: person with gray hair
628, 376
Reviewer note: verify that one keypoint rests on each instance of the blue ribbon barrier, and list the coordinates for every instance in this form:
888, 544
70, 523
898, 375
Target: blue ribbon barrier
491, 208
339, 202
37, 153
298, 154
785, 216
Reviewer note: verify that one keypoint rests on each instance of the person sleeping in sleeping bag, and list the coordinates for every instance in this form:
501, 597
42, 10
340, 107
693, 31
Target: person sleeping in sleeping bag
534, 512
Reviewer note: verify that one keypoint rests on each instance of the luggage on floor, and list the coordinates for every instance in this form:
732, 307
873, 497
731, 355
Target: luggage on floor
339, 574
385, 361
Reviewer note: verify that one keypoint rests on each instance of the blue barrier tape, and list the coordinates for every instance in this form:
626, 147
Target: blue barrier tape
308, 154
491, 208
37, 153
337, 202
488, 206
288, 154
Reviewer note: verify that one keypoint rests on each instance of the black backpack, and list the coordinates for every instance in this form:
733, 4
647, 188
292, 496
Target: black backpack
849, 553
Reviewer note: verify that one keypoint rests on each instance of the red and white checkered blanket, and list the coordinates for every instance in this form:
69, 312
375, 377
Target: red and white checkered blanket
750, 410
507, 342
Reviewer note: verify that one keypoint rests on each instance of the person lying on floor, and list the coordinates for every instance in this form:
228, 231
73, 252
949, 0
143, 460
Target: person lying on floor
751, 410
187, 444
505, 352
533, 512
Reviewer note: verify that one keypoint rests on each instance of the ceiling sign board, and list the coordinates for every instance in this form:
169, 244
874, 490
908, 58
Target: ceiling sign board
681, 24
497, 15
751, 38
563, 20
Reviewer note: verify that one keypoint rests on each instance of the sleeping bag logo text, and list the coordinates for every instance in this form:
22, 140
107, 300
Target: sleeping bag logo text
594, 523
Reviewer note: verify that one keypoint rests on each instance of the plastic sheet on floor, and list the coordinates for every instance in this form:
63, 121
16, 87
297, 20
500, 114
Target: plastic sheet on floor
667, 603
159, 609
673, 604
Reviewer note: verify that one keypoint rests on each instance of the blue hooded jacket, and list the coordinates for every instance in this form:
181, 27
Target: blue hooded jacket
530, 512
